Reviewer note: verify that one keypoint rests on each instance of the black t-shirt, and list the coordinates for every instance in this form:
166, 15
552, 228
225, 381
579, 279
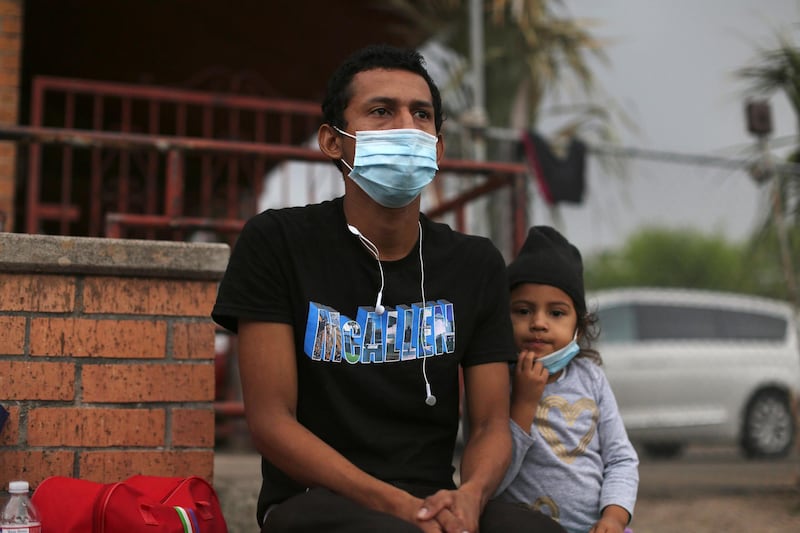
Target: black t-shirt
360, 375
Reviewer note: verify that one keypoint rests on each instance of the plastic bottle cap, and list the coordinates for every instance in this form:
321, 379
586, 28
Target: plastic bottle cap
17, 487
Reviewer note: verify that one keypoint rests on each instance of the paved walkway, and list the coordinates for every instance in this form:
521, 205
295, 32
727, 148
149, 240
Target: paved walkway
237, 479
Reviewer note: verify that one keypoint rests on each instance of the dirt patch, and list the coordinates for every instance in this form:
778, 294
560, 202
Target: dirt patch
770, 512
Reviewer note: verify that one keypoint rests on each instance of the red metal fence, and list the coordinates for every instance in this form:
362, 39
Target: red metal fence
163, 161
118, 160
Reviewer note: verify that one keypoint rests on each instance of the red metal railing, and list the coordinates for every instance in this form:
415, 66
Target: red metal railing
498, 175
67, 194
161, 161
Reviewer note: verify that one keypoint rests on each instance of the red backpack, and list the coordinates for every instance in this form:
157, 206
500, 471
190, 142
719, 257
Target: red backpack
149, 504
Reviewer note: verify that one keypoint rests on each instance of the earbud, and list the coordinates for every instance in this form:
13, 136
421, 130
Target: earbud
354, 230
379, 308
430, 399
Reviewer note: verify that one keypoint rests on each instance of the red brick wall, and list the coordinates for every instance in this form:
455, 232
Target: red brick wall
105, 376
10, 52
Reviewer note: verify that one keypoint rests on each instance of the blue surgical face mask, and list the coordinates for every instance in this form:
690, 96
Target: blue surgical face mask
560, 358
393, 166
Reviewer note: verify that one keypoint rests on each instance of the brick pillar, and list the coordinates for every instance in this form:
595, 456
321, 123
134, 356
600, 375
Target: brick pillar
10, 53
106, 357
10, 50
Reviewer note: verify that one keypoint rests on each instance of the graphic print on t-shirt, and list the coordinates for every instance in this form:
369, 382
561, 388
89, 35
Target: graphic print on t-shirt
398, 334
577, 419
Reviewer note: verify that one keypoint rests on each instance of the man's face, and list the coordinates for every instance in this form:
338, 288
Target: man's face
385, 99
389, 99
381, 99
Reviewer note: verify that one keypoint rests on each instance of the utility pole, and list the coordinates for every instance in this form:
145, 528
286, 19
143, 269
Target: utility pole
477, 119
759, 123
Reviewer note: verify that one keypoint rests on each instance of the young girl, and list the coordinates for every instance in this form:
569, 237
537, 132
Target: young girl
572, 457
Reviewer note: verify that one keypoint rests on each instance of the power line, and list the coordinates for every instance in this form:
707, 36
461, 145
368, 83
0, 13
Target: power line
682, 158
672, 157
772, 143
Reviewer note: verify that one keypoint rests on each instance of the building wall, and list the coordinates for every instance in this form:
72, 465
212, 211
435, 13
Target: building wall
10, 53
106, 357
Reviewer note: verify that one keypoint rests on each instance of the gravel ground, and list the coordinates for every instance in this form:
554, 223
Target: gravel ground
777, 512
237, 480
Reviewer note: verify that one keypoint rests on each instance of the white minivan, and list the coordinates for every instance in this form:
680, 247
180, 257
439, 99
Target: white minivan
692, 366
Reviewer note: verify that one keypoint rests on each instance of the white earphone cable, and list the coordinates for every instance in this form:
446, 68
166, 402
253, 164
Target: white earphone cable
430, 399
374, 250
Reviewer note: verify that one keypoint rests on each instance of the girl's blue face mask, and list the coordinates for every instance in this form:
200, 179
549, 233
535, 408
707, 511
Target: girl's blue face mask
393, 166
560, 358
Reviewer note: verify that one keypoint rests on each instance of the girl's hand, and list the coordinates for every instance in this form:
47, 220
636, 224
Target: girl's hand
530, 377
604, 525
613, 520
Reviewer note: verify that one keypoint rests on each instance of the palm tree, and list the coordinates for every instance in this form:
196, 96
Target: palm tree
531, 48
534, 52
778, 70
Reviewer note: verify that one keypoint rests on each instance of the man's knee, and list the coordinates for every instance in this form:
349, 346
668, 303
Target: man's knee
322, 510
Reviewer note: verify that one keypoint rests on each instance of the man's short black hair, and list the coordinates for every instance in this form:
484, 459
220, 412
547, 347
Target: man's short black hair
379, 56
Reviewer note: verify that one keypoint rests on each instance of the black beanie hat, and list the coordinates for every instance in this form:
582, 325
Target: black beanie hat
548, 258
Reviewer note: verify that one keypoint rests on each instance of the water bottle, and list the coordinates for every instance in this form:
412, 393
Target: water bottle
19, 515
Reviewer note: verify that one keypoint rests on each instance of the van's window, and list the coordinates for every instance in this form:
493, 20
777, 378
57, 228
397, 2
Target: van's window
625, 323
755, 326
617, 324
672, 322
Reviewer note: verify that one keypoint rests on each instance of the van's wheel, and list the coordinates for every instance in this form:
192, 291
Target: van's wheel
769, 426
663, 450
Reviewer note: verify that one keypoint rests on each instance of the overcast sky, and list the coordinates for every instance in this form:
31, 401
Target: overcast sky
671, 68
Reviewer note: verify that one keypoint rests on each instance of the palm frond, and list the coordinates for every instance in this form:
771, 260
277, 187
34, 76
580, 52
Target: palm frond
776, 70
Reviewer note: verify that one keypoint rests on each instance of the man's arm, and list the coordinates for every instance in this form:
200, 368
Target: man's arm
268, 373
488, 449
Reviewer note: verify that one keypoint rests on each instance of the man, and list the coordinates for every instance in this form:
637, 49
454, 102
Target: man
353, 317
